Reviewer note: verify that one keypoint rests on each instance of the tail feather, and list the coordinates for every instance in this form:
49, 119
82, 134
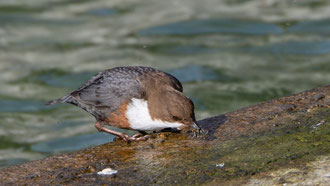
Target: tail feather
63, 99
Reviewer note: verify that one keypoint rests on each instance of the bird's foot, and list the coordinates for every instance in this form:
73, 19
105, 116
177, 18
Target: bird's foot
136, 137
142, 138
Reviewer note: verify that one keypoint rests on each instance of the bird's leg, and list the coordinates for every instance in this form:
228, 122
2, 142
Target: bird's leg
100, 127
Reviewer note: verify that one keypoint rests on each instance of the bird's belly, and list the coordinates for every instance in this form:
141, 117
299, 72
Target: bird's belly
139, 118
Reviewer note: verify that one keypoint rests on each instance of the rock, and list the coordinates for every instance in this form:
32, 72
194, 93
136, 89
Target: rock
275, 142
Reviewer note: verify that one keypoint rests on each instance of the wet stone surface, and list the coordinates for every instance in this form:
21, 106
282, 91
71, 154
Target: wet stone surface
265, 143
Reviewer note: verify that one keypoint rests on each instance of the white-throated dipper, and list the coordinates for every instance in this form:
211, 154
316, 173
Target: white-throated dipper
136, 98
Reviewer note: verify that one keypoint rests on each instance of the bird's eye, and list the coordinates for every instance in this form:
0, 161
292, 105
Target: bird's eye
175, 118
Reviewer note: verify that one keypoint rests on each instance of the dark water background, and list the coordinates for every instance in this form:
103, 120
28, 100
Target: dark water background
228, 54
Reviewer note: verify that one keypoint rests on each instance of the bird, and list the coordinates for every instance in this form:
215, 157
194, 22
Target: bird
136, 98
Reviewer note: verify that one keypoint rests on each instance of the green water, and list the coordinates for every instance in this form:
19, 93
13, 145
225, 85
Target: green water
228, 54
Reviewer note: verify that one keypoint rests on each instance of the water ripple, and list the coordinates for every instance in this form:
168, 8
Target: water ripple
210, 26
9, 105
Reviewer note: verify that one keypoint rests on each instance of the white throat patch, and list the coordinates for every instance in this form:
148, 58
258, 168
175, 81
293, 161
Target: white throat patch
139, 118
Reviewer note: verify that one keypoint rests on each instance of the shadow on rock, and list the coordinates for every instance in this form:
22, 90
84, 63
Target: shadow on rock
211, 125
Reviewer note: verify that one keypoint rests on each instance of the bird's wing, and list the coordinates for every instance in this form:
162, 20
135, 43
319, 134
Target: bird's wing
109, 89
112, 87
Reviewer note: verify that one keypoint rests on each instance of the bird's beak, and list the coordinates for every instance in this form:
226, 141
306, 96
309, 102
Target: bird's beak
195, 126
